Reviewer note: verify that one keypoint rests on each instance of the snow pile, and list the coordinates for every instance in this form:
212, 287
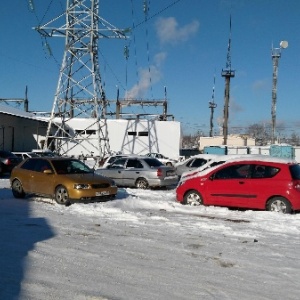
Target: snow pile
144, 245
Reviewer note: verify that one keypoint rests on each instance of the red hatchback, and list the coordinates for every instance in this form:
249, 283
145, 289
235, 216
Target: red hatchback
271, 184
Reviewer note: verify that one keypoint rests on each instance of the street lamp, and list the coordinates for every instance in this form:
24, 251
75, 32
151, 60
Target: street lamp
276, 54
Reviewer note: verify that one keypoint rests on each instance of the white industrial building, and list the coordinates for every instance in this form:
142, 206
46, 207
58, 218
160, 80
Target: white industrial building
23, 131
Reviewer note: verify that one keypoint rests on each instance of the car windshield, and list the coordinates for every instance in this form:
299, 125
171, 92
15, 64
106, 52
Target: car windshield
70, 166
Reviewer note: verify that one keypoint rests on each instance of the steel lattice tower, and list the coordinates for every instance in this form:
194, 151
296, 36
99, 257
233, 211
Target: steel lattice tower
227, 73
79, 92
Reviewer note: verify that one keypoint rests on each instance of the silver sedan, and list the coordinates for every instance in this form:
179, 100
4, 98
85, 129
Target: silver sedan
140, 172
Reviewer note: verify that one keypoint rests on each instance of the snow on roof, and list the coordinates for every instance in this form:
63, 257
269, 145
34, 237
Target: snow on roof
205, 156
8, 110
203, 170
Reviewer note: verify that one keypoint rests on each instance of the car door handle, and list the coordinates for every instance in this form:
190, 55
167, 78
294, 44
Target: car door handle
137, 172
241, 182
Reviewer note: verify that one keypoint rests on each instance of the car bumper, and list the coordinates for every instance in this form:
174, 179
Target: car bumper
92, 195
179, 194
163, 182
93, 199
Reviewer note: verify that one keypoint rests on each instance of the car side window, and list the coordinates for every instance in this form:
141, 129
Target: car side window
29, 164
198, 162
189, 163
261, 171
233, 172
215, 163
119, 163
42, 165
134, 163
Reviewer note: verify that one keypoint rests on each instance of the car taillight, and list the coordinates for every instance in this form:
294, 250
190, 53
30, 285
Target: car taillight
297, 185
7, 161
159, 172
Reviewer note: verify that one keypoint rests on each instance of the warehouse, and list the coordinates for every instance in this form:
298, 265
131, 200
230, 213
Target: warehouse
20, 130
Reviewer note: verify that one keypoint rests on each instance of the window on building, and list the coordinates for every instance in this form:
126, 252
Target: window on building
143, 133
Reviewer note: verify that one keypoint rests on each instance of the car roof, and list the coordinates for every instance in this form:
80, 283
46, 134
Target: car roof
124, 155
261, 158
245, 158
20, 152
256, 160
53, 158
214, 157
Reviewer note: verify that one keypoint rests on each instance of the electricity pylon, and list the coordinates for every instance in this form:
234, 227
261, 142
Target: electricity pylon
79, 92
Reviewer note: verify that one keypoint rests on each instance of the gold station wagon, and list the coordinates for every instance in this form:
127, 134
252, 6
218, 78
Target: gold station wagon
67, 180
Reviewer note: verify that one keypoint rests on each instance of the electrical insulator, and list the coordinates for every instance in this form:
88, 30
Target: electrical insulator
126, 52
31, 5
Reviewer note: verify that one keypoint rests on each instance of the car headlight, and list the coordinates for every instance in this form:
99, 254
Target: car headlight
81, 186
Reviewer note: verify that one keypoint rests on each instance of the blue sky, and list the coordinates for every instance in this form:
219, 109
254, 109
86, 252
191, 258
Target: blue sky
184, 43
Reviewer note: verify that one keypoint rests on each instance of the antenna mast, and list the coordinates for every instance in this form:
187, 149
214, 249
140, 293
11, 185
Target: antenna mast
276, 54
227, 73
212, 106
79, 92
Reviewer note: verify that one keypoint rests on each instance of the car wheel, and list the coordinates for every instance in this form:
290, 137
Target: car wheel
192, 198
17, 189
141, 183
279, 204
62, 195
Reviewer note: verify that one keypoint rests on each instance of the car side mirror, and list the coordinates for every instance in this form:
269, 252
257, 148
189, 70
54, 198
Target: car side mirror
48, 171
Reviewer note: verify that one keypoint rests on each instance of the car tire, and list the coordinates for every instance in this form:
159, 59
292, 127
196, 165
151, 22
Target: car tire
279, 204
192, 198
17, 189
141, 183
62, 195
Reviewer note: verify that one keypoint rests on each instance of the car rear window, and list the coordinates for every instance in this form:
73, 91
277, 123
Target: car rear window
295, 171
153, 162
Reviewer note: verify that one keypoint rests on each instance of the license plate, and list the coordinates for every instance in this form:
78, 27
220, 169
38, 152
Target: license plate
105, 193
170, 173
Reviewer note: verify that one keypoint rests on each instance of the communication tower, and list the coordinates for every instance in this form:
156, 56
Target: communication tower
276, 54
227, 73
212, 106
79, 92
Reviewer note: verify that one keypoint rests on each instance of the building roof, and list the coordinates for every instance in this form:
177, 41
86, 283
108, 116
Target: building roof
9, 110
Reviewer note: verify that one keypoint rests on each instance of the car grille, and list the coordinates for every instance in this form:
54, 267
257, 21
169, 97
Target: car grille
100, 185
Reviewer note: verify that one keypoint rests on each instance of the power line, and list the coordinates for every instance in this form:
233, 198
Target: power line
156, 14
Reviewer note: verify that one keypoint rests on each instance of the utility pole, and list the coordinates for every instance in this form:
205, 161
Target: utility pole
79, 92
212, 106
276, 54
227, 73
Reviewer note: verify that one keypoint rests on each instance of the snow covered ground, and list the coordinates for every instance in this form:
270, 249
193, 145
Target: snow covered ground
144, 245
